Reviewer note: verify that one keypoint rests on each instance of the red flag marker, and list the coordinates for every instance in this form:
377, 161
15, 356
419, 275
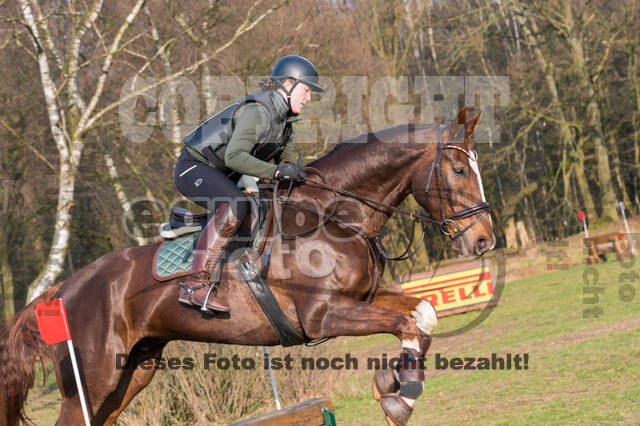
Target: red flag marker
582, 217
52, 322
54, 328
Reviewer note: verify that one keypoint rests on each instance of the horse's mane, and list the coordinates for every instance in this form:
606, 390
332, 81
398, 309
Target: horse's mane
387, 135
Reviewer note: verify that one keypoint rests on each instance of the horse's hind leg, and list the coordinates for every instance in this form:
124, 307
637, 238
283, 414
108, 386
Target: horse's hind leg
133, 380
70, 412
110, 400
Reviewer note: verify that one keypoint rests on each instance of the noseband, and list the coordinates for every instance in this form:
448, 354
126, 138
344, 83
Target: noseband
480, 209
374, 243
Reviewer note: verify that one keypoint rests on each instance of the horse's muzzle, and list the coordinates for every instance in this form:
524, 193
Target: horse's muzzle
482, 246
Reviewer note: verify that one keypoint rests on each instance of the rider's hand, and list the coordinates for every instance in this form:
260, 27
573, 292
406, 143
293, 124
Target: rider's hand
289, 172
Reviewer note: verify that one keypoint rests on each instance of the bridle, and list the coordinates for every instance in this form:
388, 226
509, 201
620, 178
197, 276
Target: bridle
480, 209
375, 243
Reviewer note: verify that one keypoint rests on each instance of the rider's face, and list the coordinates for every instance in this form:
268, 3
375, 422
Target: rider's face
301, 95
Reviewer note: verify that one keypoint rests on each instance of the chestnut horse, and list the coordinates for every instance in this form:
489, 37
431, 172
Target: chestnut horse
115, 306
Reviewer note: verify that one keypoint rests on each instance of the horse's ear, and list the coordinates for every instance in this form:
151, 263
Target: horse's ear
471, 124
462, 115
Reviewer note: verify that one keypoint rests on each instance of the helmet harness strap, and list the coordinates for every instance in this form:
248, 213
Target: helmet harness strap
279, 84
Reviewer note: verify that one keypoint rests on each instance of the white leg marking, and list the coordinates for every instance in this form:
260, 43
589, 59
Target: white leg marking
426, 318
411, 344
409, 401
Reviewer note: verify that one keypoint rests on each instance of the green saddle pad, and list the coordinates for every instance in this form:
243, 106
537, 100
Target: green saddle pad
174, 256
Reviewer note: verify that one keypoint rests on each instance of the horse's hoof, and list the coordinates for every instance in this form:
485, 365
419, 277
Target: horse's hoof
384, 381
397, 410
391, 422
376, 392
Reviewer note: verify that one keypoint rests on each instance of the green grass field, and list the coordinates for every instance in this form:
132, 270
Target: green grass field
580, 370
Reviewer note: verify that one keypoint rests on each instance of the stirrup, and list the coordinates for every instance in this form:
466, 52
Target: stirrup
212, 286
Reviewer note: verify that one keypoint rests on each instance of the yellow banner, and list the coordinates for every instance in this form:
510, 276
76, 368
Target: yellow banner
454, 290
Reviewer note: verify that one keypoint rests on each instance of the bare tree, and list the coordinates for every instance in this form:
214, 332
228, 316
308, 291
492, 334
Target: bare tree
74, 77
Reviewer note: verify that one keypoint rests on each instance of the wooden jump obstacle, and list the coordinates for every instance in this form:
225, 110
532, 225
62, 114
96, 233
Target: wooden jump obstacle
600, 245
314, 412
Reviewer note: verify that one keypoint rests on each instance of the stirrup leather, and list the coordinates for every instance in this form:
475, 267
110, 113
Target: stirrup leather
190, 291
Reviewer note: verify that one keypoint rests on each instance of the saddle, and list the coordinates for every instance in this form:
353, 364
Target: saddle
174, 256
182, 222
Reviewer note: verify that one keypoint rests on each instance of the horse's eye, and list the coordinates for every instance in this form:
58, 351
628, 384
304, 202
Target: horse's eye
459, 172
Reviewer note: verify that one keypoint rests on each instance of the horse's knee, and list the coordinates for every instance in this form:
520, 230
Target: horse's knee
426, 318
426, 321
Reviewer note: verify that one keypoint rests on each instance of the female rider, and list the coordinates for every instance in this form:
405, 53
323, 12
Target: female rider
242, 139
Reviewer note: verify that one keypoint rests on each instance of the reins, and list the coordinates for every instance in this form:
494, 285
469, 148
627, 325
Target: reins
371, 242
482, 208
412, 214
375, 244
415, 217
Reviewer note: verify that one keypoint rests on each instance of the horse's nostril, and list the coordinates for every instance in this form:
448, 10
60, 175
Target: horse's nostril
481, 245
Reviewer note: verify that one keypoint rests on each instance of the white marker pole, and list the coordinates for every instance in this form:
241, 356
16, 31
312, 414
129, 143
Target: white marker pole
273, 382
583, 218
54, 328
626, 227
76, 373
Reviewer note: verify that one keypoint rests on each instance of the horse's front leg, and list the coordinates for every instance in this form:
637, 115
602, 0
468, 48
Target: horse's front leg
420, 310
389, 383
348, 317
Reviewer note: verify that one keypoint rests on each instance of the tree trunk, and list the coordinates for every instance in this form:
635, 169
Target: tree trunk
510, 209
617, 171
592, 120
167, 118
8, 302
511, 240
583, 185
523, 234
55, 262
69, 158
546, 66
138, 236
634, 79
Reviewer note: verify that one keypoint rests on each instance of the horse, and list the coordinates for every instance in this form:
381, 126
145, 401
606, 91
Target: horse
116, 306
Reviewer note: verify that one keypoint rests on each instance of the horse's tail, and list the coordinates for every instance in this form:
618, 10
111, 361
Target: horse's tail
20, 344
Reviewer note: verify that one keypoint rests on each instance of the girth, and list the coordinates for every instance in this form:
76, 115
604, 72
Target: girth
287, 334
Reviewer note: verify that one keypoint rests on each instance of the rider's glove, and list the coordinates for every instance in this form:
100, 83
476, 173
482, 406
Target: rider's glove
289, 172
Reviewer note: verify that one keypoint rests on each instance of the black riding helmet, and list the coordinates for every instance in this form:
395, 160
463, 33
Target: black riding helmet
298, 69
